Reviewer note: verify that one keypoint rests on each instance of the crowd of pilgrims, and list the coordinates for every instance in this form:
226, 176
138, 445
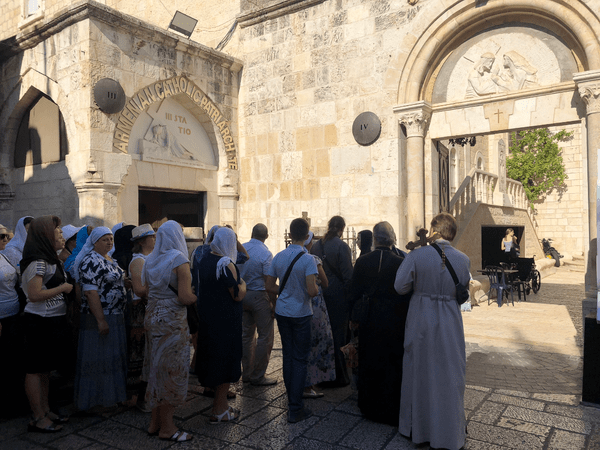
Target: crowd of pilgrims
116, 313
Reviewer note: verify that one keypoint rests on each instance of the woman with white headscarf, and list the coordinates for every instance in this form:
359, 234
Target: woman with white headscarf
101, 374
220, 294
166, 272
14, 249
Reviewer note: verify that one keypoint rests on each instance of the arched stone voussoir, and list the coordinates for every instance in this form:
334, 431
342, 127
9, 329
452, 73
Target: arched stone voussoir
454, 22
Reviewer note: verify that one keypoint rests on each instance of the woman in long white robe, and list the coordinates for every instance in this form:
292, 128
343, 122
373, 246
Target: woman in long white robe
434, 364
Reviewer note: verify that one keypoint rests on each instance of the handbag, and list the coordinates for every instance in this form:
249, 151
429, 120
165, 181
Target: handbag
462, 291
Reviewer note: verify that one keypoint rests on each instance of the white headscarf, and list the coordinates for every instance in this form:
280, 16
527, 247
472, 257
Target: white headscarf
211, 234
224, 243
116, 228
169, 252
310, 238
97, 233
14, 249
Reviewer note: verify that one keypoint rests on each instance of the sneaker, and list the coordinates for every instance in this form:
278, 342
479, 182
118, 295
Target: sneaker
264, 381
304, 414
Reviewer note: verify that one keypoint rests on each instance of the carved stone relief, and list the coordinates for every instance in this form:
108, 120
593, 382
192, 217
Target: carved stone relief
169, 133
487, 77
504, 59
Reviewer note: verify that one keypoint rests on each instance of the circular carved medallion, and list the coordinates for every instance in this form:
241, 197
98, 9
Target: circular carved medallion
109, 96
366, 128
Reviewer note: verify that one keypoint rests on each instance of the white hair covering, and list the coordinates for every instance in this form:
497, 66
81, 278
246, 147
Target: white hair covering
310, 238
211, 234
96, 234
225, 244
14, 249
169, 252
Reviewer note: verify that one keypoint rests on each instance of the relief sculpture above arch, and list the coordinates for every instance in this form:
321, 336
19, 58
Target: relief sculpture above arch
504, 59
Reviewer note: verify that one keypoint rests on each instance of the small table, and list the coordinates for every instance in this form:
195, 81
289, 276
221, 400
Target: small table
510, 275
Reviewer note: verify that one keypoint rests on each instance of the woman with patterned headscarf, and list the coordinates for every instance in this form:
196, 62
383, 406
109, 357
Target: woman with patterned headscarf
100, 378
44, 284
166, 272
220, 294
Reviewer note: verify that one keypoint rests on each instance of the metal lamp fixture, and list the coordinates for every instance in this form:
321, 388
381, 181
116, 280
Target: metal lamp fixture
182, 23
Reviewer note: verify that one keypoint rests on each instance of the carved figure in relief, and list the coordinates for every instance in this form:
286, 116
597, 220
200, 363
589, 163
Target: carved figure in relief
163, 137
517, 73
481, 80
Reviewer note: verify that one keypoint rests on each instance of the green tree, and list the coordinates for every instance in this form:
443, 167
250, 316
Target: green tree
536, 162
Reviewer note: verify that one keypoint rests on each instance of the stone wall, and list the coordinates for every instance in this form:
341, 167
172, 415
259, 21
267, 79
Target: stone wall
92, 185
214, 18
307, 76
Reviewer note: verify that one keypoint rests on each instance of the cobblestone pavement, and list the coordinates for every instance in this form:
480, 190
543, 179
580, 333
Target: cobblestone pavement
518, 396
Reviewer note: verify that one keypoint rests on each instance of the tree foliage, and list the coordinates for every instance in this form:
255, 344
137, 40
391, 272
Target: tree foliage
535, 160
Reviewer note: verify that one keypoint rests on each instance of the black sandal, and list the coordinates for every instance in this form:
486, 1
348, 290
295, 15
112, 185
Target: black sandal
52, 428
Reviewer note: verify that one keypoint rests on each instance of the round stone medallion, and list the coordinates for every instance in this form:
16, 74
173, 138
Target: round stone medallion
109, 96
366, 128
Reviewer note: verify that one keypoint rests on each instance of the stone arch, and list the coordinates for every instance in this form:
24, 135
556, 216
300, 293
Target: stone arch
411, 70
30, 196
24, 92
195, 100
479, 161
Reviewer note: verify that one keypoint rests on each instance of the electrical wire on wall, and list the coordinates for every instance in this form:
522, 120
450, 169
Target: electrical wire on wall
227, 37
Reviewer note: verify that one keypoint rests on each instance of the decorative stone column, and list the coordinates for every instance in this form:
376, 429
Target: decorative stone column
100, 176
588, 84
228, 197
415, 117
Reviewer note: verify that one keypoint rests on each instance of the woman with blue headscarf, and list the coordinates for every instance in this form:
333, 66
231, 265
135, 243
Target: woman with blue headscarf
100, 378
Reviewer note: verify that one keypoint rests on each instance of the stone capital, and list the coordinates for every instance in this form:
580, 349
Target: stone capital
415, 117
588, 85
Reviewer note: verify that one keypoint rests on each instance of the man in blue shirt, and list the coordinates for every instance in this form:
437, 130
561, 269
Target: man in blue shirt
293, 312
258, 310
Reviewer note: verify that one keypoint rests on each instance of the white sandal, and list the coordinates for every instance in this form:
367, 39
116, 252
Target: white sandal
229, 415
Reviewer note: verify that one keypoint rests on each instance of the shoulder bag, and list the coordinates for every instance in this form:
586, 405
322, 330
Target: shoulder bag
462, 291
288, 271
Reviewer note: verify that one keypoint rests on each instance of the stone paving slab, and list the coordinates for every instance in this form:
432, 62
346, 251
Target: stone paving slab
518, 396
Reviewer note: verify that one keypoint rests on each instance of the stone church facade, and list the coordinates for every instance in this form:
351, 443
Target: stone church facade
262, 129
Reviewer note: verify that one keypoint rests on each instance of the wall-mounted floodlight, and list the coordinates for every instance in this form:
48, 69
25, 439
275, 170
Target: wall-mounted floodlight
183, 24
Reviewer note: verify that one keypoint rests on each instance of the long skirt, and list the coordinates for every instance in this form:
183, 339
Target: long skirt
168, 352
101, 376
136, 345
321, 361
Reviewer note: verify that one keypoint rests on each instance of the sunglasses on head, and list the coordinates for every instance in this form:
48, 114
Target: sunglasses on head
4, 236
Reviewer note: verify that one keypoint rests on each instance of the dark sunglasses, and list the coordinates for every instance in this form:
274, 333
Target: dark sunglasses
4, 236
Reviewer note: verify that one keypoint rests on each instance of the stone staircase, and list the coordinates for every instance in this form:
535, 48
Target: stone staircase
483, 199
575, 263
